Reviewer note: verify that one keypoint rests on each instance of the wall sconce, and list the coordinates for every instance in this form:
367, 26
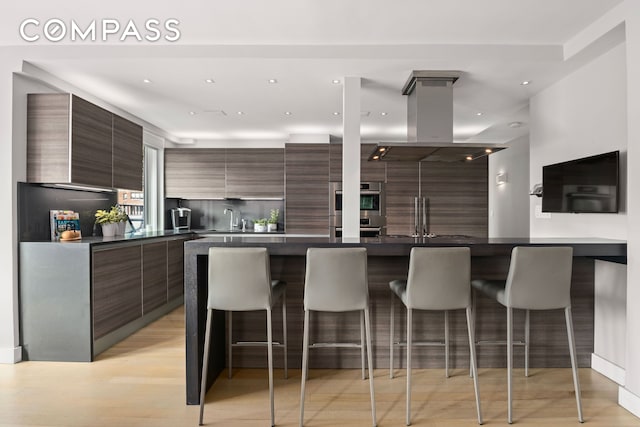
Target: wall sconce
501, 178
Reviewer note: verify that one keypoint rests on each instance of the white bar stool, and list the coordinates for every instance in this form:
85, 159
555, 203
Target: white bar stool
240, 280
438, 280
539, 278
336, 281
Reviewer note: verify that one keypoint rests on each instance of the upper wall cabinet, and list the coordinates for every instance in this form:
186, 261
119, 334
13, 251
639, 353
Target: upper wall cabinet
70, 140
255, 173
194, 173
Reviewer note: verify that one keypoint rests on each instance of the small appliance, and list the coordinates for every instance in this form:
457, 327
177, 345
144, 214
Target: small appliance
181, 218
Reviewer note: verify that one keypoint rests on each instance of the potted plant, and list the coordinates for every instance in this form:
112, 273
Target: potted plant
113, 221
260, 225
272, 223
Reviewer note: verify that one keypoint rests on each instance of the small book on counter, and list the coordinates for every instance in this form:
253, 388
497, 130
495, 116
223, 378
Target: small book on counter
65, 225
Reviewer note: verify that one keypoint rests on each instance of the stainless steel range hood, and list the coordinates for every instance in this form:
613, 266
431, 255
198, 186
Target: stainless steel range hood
430, 123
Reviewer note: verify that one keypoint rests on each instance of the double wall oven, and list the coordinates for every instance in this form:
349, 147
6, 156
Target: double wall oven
373, 218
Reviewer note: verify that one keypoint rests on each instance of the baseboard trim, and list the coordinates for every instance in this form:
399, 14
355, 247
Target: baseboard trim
629, 401
11, 355
610, 370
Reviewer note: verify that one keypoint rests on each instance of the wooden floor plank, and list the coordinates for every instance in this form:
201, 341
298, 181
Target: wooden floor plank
140, 382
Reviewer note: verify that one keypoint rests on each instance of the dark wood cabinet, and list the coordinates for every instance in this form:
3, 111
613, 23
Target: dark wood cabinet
255, 173
307, 188
369, 171
195, 173
402, 188
127, 154
70, 140
154, 276
457, 195
117, 297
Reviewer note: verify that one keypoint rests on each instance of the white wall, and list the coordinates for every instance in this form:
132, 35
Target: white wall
581, 115
509, 202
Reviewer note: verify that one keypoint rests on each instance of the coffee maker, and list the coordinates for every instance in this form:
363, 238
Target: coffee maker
181, 218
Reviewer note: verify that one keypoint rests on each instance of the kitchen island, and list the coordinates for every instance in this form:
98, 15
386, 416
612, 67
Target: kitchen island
388, 259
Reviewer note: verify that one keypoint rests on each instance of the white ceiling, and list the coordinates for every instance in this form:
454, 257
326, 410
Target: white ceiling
305, 44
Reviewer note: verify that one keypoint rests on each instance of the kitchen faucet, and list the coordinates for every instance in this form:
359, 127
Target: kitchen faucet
229, 210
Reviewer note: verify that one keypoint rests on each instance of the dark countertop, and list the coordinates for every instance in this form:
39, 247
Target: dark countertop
128, 237
615, 250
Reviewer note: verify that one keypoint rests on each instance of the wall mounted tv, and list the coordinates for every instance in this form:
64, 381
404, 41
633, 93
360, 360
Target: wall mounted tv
586, 185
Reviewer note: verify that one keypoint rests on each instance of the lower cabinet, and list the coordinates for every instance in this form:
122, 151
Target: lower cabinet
77, 300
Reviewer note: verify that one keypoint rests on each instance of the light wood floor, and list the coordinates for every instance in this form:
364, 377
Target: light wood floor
140, 382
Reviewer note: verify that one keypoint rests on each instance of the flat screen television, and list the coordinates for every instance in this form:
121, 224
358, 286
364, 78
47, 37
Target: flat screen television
586, 185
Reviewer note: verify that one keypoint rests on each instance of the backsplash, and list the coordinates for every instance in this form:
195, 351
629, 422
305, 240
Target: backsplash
209, 214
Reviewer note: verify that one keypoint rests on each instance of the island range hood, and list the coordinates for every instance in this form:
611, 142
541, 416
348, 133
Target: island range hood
430, 123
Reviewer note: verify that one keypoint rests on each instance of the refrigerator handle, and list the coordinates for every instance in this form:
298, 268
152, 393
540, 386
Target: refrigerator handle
424, 217
416, 211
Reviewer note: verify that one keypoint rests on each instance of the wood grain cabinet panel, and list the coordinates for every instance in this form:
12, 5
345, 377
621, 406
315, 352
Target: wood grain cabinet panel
91, 144
457, 193
402, 188
175, 268
117, 294
195, 173
307, 188
127, 154
257, 172
154, 276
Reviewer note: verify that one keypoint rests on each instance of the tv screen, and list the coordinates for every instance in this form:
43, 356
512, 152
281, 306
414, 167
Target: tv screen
587, 185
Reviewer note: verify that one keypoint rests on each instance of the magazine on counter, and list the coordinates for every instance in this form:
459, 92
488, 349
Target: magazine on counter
62, 220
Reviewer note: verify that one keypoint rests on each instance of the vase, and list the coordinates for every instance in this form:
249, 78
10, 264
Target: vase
272, 227
259, 228
110, 229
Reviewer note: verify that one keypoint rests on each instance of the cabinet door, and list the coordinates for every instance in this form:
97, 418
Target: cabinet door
127, 154
255, 172
175, 268
117, 293
48, 137
369, 171
402, 188
194, 173
307, 188
457, 193
91, 144
154, 276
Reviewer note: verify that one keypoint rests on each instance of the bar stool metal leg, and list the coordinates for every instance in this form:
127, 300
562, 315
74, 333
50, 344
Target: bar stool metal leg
473, 361
367, 323
305, 363
527, 324
574, 361
509, 363
446, 344
409, 346
364, 375
230, 343
284, 331
205, 364
391, 332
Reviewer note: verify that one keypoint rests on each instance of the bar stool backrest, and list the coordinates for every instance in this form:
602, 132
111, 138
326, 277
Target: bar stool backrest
539, 278
336, 279
439, 278
239, 279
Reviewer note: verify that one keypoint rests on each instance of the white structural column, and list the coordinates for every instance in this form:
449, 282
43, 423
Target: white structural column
351, 157
629, 396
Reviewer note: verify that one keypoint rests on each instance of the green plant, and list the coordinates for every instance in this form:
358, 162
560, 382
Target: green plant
114, 215
260, 221
273, 219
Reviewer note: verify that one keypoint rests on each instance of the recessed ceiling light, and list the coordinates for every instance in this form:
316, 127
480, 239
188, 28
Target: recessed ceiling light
469, 158
288, 113
209, 81
384, 113
526, 82
515, 124
376, 157
146, 81
488, 150
336, 113
335, 81
479, 113
192, 113
273, 81
240, 113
